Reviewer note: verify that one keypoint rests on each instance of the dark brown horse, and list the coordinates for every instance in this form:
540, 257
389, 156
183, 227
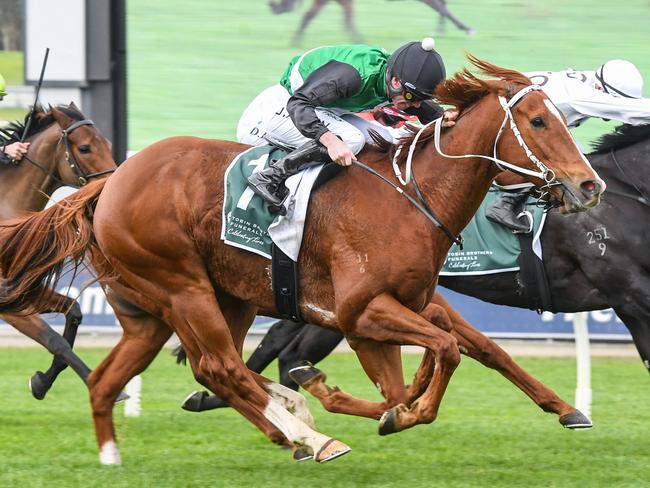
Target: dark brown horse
66, 150
369, 259
283, 6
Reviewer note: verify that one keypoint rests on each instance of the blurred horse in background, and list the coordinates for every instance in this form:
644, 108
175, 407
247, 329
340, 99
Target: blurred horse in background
66, 150
283, 6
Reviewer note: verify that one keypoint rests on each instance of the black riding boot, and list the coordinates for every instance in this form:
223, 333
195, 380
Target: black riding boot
269, 183
507, 210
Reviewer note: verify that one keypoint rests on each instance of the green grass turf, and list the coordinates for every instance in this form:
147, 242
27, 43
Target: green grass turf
487, 435
11, 67
193, 69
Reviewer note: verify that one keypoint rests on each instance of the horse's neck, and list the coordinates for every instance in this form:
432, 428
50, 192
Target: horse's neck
456, 187
634, 168
25, 187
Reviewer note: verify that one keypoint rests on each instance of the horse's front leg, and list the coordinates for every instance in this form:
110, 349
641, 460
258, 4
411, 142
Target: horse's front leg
381, 362
386, 320
438, 316
474, 344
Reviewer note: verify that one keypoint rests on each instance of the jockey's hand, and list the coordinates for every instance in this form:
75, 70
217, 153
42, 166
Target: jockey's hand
337, 149
16, 150
449, 118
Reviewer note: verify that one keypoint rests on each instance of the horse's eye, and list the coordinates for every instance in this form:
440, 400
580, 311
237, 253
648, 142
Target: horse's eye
538, 123
84, 149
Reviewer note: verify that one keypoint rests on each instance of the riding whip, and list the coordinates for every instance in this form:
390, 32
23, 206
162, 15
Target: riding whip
38, 89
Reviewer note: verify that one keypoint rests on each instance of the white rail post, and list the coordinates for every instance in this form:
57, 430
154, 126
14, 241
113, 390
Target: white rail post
583, 363
132, 404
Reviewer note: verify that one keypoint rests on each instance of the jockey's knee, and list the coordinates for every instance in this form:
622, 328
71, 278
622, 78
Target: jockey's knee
355, 139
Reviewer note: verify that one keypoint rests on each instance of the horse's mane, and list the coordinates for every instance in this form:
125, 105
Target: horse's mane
463, 90
623, 135
41, 119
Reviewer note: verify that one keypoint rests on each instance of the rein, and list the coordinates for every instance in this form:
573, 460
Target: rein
643, 199
82, 177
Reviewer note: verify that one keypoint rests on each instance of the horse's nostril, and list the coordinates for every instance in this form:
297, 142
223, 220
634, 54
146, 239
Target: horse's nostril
590, 188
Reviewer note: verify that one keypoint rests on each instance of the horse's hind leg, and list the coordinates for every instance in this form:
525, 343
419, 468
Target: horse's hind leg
306, 20
36, 328
186, 299
143, 337
348, 12
41, 382
279, 335
638, 323
440, 6
291, 343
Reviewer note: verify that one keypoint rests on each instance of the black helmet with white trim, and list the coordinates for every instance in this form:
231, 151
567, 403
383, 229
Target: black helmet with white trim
418, 67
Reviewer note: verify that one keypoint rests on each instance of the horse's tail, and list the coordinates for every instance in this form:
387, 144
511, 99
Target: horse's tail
33, 249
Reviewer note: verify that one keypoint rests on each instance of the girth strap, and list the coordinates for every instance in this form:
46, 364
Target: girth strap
284, 281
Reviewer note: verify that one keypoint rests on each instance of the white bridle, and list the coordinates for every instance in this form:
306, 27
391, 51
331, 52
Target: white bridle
545, 173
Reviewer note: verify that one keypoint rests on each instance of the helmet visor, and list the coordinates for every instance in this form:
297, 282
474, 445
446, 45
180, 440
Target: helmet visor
412, 94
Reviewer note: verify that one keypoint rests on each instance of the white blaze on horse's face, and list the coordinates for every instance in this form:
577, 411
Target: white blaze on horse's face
547, 142
554, 110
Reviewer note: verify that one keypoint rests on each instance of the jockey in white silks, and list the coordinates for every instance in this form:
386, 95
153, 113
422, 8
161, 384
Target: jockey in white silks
613, 92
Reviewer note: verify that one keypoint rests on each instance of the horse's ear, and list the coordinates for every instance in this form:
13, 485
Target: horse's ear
73, 106
61, 117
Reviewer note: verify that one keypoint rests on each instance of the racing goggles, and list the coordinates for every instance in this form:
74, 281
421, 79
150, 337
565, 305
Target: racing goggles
412, 94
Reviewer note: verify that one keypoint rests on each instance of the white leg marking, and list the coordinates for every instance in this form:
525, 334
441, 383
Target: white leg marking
295, 430
293, 401
109, 455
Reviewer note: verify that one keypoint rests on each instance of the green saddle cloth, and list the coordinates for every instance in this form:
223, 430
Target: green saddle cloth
246, 219
489, 247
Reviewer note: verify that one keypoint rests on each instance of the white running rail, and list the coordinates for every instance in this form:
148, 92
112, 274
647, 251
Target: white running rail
583, 363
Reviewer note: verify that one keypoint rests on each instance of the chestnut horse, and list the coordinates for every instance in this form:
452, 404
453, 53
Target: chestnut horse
66, 149
369, 261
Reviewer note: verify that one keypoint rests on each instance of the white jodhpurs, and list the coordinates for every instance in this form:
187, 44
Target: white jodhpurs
267, 115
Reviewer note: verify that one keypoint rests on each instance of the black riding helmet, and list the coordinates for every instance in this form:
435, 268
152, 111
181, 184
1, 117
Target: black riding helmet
418, 67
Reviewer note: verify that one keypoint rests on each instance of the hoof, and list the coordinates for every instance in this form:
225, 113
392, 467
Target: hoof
109, 454
576, 420
303, 453
194, 401
38, 386
200, 401
388, 422
331, 450
306, 373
